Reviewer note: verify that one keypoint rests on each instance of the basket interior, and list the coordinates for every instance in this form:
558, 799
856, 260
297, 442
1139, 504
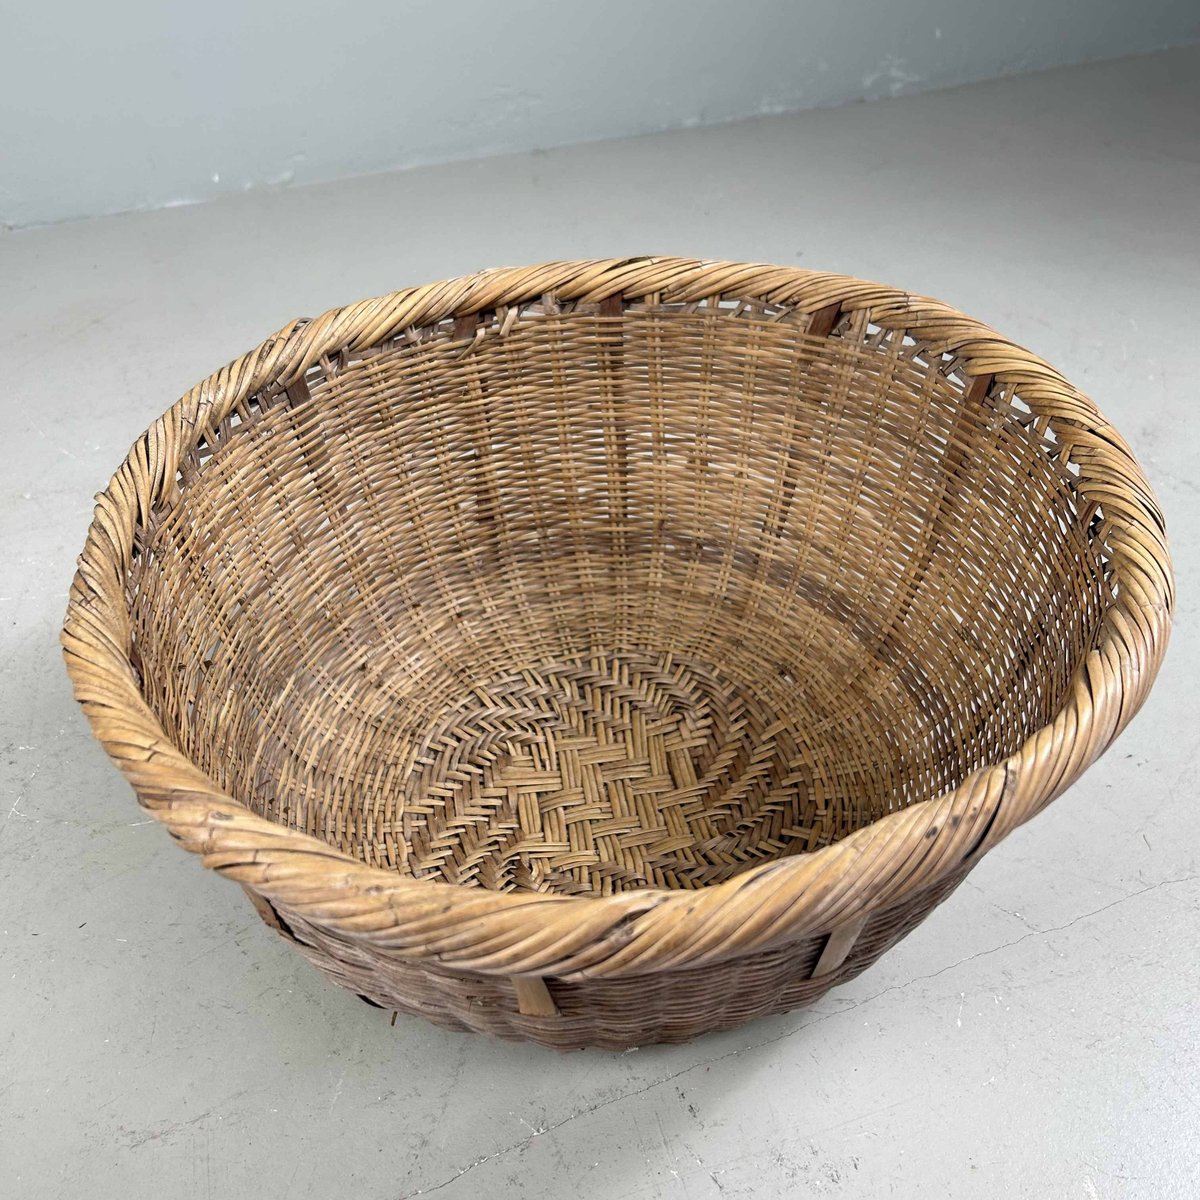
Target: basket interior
589, 600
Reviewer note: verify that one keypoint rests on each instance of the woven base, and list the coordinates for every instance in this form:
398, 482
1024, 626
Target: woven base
624, 770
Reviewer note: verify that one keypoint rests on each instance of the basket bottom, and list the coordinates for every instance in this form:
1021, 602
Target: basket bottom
608, 1014
618, 770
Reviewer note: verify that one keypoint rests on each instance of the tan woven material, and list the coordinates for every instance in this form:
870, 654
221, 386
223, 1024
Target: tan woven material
606, 652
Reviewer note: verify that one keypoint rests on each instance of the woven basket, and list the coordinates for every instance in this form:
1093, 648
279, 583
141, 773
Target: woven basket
601, 653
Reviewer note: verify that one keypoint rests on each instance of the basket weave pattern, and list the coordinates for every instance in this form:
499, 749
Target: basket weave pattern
606, 652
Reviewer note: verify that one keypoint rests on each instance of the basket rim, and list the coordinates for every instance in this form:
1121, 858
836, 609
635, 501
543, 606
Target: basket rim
637, 932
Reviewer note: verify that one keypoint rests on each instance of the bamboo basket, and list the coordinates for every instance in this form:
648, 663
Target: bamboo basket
603, 653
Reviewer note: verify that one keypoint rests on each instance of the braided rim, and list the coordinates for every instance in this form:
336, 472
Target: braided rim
652, 930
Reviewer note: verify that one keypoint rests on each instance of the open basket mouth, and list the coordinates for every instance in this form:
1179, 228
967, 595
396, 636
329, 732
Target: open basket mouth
668, 610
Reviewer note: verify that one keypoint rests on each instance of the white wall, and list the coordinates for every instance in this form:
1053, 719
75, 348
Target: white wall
140, 103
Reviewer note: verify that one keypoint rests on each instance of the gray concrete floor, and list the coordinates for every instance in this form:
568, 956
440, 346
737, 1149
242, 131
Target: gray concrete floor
1038, 1036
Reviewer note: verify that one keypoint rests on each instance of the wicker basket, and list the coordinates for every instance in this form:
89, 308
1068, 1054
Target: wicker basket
600, 653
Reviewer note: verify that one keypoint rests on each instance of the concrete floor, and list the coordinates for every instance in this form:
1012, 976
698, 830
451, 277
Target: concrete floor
1038, 1036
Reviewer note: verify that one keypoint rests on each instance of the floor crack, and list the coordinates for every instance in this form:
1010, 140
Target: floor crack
1033, 933
708, 1062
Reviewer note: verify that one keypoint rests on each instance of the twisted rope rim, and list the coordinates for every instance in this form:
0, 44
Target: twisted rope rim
578, 937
